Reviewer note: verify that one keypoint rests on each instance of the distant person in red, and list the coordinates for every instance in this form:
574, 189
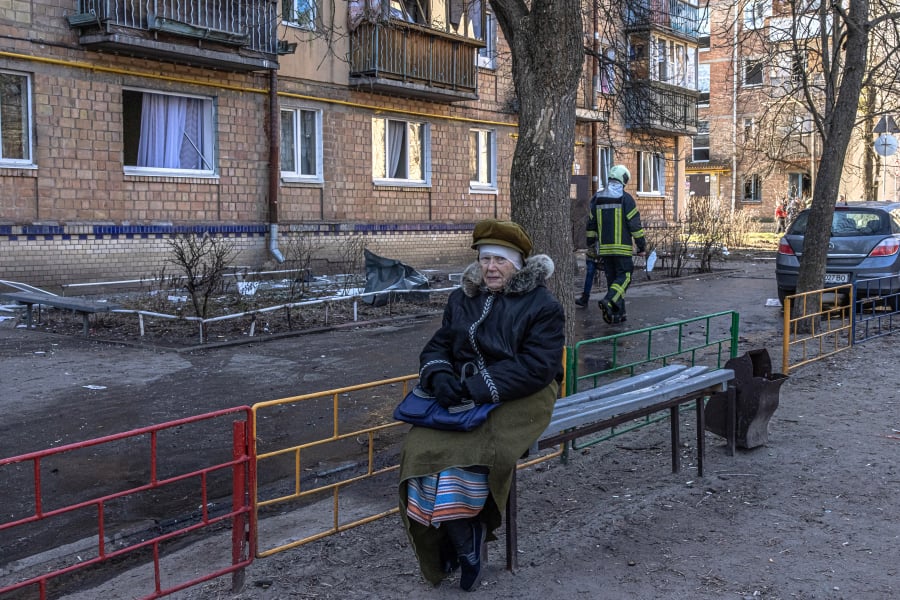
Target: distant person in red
780, 217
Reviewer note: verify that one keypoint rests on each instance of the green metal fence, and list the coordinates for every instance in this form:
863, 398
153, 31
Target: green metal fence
709, 340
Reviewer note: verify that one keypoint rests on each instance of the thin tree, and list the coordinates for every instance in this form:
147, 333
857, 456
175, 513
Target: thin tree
545, 38
831, 74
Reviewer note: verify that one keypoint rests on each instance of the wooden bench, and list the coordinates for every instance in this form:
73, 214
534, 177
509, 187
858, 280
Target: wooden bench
624, 400
78, 305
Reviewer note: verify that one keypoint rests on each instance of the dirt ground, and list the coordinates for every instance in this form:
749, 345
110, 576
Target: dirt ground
813, 514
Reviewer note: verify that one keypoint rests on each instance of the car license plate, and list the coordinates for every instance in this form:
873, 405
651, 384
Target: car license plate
836, 278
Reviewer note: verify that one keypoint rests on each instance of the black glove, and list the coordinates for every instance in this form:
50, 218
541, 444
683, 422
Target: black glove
448, 390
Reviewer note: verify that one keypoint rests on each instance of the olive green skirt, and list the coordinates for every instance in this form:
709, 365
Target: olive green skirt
498, 444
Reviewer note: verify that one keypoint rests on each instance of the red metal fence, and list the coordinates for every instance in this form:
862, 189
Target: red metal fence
137, 475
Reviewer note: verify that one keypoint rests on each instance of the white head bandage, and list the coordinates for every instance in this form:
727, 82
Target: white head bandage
509, 254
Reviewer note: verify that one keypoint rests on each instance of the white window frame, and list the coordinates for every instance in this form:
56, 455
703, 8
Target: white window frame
651, 174
482, 160
302, 14
487, 56
702, 135
301, 143
755, 13
604, 163
754, 182
205, 141
414, 155
26, 161
673, 62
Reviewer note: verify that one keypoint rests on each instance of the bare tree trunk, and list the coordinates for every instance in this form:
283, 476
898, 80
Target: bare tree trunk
837, 130
546, 44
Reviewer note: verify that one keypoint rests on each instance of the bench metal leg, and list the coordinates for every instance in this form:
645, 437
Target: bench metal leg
701, 434
676, 438
512, 541
731, 423
85, 326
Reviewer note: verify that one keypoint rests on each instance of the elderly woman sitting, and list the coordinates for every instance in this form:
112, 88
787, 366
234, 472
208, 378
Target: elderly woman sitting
500, 341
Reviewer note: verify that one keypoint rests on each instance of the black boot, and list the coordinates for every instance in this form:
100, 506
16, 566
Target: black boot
469, 539
447, 556
582, 300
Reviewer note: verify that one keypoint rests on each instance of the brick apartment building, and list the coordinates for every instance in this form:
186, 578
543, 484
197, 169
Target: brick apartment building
127, 123
754, 147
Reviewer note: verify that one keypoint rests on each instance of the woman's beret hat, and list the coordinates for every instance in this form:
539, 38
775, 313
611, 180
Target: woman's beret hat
502, 233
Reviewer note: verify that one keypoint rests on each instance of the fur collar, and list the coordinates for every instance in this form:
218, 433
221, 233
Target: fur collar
535, 272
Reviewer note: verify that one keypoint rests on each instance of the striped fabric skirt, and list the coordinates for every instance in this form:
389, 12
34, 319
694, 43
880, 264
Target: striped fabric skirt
451, 494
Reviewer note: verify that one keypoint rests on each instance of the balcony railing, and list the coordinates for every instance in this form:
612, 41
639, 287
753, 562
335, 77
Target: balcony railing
235, 34
653, 106
408, 60
675, 15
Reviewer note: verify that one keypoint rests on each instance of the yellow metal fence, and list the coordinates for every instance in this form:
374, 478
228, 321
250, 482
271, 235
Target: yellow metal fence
816, 324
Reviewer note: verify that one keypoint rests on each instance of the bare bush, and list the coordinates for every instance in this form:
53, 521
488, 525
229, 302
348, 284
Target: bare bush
350, 262
203, 259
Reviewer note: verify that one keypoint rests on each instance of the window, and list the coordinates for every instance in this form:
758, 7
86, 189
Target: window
608, 71
400, 151
300, 13
170, 134
755, 13
487, 56
752, 188
651, 173
410, 11
604, 162
798, 68
701, 142
748, 129
703, 83
482, 159
301, 145
753, 72
15, 120
703, 27
673, 62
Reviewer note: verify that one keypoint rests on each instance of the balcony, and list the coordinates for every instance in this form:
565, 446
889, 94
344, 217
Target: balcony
660, 108
674, 16
404, 59
233, 35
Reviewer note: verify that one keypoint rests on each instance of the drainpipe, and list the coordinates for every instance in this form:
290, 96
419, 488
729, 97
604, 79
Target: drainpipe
735, 67
274, 165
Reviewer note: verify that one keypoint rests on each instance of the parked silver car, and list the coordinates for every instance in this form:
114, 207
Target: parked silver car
864, 244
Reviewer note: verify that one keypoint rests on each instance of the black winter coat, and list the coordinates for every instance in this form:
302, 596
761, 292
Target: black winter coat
515, 337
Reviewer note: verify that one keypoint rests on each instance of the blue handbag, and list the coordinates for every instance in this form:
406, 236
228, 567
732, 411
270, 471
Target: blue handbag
419, 408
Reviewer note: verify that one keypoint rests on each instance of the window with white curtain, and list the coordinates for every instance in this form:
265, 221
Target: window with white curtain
608, 71
15, 120
604, 162
301, 145
168, 134
400, 152
300, 13
482, 160
673, 62
651, 173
